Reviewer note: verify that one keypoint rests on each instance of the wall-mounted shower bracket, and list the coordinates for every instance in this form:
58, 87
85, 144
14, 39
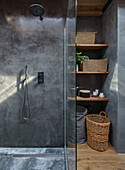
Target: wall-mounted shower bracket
22, 82
26, 78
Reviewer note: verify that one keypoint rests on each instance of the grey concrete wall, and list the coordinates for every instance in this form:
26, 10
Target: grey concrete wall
25, 40
121, 76
110, 88
114, 34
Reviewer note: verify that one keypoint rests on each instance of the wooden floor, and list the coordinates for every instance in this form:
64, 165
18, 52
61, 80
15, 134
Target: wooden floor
89, 159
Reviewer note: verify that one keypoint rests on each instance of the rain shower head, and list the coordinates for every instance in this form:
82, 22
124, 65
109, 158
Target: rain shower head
36, 10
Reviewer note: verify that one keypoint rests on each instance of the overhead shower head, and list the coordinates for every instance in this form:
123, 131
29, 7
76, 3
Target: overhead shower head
36, 10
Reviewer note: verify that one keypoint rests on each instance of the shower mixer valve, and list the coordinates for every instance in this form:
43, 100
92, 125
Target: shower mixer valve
40, 77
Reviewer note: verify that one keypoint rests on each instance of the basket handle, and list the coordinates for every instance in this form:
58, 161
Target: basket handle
102, 112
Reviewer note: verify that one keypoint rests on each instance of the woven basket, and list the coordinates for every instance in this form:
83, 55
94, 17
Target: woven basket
99, 65
83, 37
97, 131
86, 37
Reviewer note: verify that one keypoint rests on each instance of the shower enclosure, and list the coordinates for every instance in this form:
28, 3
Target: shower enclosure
37, 85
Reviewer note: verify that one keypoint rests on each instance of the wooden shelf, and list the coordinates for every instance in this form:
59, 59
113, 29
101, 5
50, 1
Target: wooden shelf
90, 46
91, 99
82, 72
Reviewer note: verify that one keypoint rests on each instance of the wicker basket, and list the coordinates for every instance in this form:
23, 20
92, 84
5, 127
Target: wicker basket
84, 37
97, 131
99, 65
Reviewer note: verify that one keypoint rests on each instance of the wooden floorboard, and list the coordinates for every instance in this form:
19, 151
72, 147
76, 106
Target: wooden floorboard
122, 156
89, 159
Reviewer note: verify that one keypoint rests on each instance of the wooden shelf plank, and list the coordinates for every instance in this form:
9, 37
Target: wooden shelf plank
85, 72
90, 46
82, 72
91, 99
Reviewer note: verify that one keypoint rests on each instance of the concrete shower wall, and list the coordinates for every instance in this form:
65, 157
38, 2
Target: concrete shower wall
121, 76
110, 88
114, 34
25, 40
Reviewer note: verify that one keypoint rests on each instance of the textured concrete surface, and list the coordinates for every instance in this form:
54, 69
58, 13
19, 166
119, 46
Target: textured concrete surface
121, 76
35, 159
25, 40
32, 159
114, 34
110, 88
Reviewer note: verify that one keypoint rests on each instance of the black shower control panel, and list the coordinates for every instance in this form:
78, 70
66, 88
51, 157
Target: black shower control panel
40, 77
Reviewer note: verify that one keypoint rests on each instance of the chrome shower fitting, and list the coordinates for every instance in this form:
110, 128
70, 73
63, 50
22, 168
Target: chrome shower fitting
26, 104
